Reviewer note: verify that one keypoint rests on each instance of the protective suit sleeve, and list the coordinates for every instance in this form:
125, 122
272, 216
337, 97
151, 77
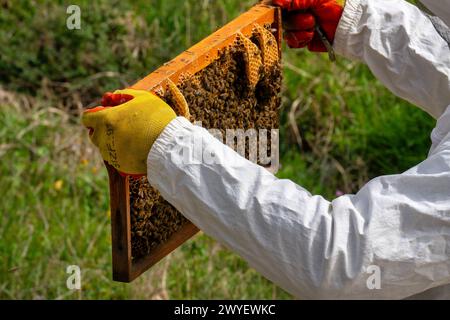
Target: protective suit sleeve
440, 8
391, 240
401, 47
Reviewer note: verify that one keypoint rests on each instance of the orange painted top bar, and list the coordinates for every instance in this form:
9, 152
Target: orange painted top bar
203, 53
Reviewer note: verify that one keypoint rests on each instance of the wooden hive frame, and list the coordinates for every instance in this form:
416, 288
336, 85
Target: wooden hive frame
189, 62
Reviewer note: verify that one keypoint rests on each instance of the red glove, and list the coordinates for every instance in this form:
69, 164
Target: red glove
301, 18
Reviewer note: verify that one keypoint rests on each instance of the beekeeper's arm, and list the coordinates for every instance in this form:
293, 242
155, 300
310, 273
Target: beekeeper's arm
401, 47
397, 227
313, 248
440, 8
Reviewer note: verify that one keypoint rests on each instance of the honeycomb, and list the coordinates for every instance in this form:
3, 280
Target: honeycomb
252, 58
268, 45
239, 90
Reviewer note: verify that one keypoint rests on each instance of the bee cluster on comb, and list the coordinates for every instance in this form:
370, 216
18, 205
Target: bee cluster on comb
239, 90
153, 219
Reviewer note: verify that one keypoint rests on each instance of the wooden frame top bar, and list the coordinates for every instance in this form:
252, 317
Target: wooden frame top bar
203, 53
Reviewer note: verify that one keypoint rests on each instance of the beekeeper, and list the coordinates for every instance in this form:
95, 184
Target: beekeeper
391, 240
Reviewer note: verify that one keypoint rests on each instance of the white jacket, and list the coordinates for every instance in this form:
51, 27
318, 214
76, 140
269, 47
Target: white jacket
396, 227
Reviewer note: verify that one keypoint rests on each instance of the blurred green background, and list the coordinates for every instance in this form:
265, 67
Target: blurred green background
340, 128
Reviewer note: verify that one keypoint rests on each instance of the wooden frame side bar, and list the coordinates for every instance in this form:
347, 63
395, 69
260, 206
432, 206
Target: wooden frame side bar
120, 225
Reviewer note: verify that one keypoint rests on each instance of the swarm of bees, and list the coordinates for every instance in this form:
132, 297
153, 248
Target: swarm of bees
153, 219
224, 95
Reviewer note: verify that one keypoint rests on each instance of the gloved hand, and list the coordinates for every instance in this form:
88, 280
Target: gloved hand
301, 18
126, 126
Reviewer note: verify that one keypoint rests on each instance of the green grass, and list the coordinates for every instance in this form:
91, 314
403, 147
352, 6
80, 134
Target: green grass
55, 214
340, 128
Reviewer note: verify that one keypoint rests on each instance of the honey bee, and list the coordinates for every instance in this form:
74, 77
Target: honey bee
220, 97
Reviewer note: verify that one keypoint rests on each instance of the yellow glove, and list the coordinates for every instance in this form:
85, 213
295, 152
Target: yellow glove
126, 126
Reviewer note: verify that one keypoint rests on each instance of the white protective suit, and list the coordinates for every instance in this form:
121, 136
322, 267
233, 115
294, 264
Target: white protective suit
314, 248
